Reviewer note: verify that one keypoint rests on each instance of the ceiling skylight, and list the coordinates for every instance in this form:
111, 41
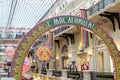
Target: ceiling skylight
23, 13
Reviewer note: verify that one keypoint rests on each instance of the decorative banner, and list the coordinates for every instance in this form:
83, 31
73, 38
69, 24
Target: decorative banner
26, 65
10, 50
85, 35
44, 53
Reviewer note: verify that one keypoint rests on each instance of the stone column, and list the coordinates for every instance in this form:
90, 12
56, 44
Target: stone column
64, 75
109, 62
51, 64
49, 72
95, 60
106, 61
94, 54
91, 65
87, 75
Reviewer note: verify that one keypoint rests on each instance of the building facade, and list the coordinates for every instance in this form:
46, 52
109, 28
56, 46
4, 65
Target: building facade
102, 12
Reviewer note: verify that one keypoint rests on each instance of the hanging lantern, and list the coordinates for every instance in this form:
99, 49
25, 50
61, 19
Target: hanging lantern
10, 50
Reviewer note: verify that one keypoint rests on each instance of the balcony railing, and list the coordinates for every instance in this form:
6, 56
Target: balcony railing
100, 5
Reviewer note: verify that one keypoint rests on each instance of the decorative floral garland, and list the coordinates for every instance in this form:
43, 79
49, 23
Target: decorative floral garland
36, 32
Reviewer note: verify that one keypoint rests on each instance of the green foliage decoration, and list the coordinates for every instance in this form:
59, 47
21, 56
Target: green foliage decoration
108, 41
105, 75
29, 39
25, 46
21, 53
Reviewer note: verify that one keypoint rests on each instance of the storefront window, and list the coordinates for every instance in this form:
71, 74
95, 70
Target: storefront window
83, 61
65, 61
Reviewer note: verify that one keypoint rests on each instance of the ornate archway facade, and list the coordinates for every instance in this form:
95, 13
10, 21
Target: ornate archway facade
39, 29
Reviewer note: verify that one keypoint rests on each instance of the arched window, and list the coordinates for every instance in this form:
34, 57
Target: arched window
64, 49
65, 58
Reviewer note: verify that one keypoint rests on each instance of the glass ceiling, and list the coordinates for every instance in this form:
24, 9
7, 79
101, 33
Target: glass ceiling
23, 13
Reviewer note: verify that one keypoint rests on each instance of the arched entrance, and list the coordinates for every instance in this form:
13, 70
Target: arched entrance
48, 24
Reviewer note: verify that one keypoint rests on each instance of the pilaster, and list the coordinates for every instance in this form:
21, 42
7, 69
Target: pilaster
106, 61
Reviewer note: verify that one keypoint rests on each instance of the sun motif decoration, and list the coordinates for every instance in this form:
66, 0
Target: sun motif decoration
44, 53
